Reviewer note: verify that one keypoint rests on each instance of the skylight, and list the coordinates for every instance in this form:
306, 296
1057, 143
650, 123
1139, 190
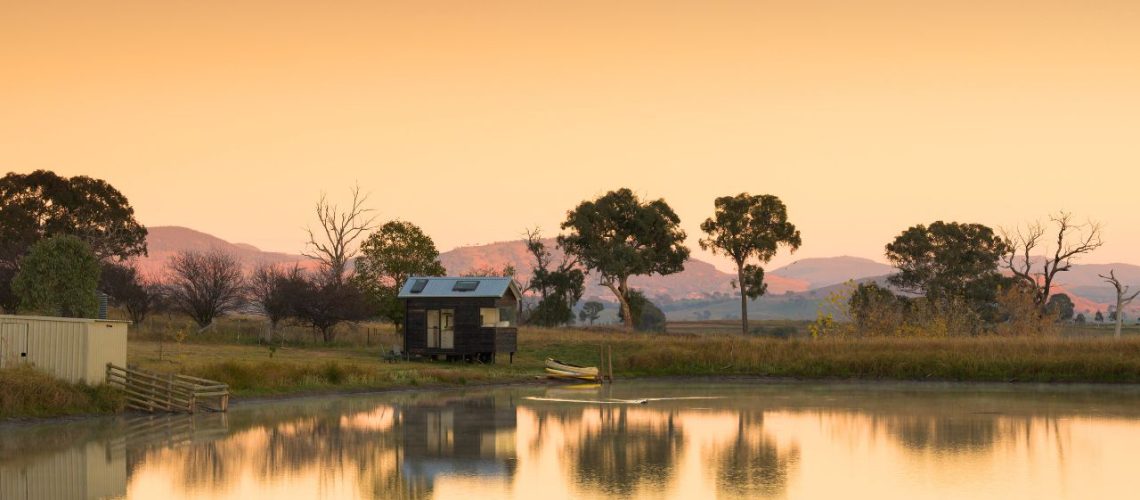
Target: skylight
419, 286
465, 286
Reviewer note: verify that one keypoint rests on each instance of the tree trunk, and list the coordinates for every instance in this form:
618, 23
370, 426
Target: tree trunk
1119, 314
743, 299
623, 302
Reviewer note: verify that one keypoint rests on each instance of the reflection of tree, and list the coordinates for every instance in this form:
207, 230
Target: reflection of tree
620, 455
752, 465
962, 434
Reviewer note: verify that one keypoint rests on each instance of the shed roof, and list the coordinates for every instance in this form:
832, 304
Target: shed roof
14, 317
445, 286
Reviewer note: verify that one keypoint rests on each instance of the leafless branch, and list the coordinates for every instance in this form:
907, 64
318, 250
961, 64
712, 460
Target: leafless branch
1073, 240
340, 228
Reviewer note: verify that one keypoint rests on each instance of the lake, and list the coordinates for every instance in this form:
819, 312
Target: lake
660, 439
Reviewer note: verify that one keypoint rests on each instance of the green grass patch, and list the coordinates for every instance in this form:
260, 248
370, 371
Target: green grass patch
27, 392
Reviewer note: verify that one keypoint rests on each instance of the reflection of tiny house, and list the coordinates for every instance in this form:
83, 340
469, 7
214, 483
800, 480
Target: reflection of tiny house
460, 318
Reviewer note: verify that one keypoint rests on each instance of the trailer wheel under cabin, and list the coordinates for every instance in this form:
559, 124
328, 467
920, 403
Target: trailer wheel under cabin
461, 318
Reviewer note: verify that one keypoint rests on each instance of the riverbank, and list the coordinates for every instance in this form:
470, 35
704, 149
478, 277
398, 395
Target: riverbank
29, 393
254, 370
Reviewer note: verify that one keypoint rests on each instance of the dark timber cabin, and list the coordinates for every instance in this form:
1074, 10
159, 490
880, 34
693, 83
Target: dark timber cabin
460, 318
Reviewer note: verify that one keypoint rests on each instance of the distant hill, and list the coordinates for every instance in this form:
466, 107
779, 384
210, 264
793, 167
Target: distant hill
794, 290
699, 279
821, 272
164, 242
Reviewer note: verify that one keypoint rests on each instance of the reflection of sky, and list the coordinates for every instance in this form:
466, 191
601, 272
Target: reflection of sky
733, 449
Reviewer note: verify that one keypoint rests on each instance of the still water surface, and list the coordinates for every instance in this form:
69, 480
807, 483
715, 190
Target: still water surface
689, 440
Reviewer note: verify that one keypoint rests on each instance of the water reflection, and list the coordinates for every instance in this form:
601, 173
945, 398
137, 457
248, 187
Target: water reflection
752, 465
756, 441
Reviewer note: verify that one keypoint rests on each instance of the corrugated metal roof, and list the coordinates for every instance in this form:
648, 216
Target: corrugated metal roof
444, 286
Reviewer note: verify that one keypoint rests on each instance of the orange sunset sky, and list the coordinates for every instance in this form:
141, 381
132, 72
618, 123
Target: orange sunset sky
476, 119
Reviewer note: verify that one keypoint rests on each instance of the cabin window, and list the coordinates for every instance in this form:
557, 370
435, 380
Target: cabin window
507, 316
419, 285
490, 316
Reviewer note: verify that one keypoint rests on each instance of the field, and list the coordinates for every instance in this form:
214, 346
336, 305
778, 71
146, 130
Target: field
233, 353
708, 348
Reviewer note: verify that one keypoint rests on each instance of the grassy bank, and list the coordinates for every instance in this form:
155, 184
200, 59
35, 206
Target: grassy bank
250, 370
355, 362
25, 392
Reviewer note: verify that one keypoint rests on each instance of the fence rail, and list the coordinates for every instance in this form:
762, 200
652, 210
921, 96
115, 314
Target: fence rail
153, 392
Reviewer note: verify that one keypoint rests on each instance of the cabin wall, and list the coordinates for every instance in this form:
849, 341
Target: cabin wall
470, 336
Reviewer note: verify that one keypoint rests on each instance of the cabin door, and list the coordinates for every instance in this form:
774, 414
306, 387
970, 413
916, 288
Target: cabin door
433, 329
447, 329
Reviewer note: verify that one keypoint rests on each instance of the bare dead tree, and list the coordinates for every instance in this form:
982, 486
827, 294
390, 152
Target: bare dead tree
205, 285
333, 246
1122, 298
1072, 241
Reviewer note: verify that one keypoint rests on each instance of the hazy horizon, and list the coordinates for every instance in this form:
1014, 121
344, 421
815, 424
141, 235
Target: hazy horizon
476, 121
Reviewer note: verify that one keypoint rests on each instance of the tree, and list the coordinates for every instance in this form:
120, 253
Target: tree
333, 248
1122, 298
138, 295
1099, 317
507, 270
205, 285
746, 227
59, 277
1061, 306
1080, 319
1072, 241
325, 303
618, 236
647, 317
590, 311
876, 310
388, 257
275, 292
40, 205
558, 288
948, 261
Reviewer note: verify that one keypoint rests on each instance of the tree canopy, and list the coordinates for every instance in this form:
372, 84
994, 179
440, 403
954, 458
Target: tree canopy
41, 205
559, 287
746, 227
59, 277
1061, 306
388, 257
948, 260
618, 236
646, 317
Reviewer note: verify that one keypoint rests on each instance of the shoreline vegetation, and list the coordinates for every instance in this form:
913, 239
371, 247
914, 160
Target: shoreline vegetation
355, 363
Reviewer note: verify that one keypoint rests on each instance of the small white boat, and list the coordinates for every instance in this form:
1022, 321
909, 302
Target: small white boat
559, 369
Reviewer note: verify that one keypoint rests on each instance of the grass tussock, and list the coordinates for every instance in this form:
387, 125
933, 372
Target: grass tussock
27, 392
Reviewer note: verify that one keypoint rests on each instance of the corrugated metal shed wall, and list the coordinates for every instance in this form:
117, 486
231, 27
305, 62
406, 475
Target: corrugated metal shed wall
106, 343
75, 350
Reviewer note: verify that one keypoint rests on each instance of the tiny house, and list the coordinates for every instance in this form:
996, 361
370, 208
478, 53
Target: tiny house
73, 349
461, 318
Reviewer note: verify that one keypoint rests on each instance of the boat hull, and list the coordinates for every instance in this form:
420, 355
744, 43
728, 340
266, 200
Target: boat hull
553, 364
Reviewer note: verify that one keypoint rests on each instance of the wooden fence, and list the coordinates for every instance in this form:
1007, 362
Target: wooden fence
153, 392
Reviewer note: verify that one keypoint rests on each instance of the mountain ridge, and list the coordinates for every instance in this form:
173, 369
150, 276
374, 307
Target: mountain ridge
700, 280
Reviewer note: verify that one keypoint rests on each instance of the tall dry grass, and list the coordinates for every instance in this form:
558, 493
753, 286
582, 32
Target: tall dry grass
27, 392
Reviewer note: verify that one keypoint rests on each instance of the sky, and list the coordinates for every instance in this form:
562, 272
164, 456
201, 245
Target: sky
476, 120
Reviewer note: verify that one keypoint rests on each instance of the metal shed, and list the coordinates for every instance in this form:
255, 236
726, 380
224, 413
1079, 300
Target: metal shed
73, 349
